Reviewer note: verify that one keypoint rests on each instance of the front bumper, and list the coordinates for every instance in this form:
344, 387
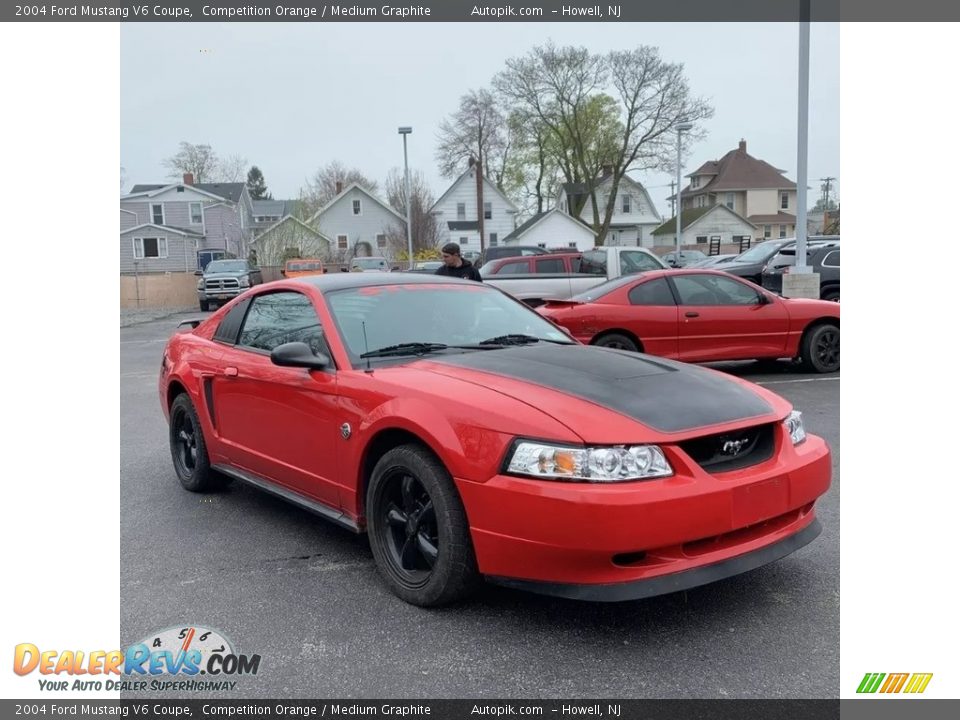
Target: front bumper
629, 540
217, 295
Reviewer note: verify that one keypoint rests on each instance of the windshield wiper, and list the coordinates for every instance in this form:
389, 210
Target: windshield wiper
421, 348
520, 339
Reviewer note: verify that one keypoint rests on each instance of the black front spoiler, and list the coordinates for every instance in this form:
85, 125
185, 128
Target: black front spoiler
674, 582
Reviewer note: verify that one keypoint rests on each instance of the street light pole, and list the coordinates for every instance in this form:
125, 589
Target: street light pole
406, 130
681, 128
802, 118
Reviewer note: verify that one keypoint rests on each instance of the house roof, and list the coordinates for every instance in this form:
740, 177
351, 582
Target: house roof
164, 228
288, 218
269, 207
692, 216
486, 184
224, 191
778, 219
366, 192
539, 217
463, 224
738, 170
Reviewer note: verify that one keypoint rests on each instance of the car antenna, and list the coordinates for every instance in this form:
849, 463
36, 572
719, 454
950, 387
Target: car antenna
366, 347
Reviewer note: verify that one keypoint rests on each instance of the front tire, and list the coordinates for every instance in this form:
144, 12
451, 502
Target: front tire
831, 294
189, 449
418, 529
618, 342
204, 305
820, 349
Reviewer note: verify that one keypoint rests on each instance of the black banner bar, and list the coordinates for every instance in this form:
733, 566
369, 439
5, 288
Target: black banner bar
473, 11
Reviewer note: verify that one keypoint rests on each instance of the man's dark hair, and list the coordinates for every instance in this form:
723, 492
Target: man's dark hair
451, 249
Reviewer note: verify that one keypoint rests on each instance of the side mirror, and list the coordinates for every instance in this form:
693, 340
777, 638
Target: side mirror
298, 354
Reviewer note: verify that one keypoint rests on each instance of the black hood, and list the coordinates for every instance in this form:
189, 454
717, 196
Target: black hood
661, 394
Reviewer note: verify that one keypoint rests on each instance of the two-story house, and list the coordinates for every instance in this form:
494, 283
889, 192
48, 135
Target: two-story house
753, 189
267, 213
358, 223
467, 205
179, 227
634, 216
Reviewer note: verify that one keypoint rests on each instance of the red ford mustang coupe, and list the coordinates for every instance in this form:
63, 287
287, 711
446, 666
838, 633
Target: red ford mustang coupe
702, 316
471, 438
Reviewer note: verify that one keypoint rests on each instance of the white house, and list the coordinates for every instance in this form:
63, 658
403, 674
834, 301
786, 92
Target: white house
553, 229
703, 225
634, 218
459, 214
358, 223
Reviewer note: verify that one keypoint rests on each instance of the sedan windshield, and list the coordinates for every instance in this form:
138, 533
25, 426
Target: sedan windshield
424, 317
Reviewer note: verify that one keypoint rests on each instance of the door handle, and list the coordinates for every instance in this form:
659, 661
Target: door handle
230, 371
691, 314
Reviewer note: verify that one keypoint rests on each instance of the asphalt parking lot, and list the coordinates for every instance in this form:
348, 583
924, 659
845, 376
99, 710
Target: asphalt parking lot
305, 594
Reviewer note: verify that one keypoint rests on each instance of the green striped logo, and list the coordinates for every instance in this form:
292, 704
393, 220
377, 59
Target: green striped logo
912, 683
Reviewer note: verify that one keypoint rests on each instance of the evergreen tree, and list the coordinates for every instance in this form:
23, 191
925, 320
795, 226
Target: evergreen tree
257, 185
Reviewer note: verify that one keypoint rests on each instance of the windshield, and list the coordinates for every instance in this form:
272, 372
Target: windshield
226, 266
758, 253
371, 318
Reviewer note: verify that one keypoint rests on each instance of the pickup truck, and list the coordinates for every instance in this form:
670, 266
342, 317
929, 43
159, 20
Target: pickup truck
596, 266
223, 280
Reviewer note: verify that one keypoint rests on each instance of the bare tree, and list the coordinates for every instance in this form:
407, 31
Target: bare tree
322, 187
231, 169
477, 129
200, 160
274, 247
424, 231
123, 177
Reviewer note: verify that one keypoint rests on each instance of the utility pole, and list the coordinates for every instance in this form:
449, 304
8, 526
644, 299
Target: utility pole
826, 191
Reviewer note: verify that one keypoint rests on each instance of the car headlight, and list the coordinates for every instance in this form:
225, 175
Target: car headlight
591, 464
200, 284
245, 281
794, 425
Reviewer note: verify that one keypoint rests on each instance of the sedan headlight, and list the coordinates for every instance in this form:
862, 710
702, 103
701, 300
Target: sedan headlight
200, 284
245, 281
591, 464
794, 425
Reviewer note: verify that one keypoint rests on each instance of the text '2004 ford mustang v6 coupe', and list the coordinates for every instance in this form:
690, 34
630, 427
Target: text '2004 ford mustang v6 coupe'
471, 438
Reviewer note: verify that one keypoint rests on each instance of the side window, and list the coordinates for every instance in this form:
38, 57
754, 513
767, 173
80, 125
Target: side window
575, 265
634, 262
230, 325
832, 259
594, 262
550, 265
652, 292
713, 290
279, 318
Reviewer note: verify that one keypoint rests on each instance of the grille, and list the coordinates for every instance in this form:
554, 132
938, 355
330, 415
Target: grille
732, 450
228, 284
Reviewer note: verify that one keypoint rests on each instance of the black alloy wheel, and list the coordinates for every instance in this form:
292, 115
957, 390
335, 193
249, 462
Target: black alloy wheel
820, 349
189, 449
410, 528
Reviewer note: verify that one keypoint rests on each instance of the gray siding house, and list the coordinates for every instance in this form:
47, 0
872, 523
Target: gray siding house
358, 223
203, 221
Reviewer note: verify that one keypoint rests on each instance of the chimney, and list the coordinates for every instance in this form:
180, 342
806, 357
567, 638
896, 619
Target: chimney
339, 187
188, 178
743, 146
479, 170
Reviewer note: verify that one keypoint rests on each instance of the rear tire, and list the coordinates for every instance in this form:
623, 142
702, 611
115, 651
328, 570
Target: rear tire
831, 294
618, 342
189, 449
820, 349
418, 529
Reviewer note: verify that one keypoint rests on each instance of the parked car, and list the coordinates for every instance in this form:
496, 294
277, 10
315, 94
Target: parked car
431, 265
712, 261
470, 438
823, 258
700, 316
223, 280
502, 251
533, 264
686, 257
302, 266
596, 266
369, 264
750, 263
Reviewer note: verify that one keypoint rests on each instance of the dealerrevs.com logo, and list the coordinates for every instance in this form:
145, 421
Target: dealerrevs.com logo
911, 683
151, 664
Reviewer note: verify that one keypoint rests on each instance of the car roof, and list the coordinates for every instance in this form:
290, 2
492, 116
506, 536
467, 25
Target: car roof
346, 281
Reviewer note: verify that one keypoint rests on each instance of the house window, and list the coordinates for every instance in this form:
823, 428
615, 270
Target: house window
356, 208
381, 240
487, 211
196, 214
784, 200
149, 248
695, 181
701, 239
729, 201
542, 245
625, 204
766, 231
572, 245
493, 239
156, 212
783, 231
342, 242
464, 240
461, 211
701, 201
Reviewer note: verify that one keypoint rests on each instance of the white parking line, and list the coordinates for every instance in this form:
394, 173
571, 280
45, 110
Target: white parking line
799, 380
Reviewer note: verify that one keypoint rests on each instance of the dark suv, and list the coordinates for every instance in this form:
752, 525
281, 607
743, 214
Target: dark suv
749, 264
223, 280
823, 258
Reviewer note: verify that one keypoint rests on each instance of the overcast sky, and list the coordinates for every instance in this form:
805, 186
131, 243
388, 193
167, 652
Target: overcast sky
292, 97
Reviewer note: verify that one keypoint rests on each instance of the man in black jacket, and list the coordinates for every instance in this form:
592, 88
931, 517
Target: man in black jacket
456, 266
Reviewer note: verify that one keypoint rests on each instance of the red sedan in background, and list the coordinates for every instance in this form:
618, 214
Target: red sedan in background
702, 316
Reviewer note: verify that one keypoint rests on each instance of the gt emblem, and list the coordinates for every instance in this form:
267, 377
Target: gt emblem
733, 447
345, 431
